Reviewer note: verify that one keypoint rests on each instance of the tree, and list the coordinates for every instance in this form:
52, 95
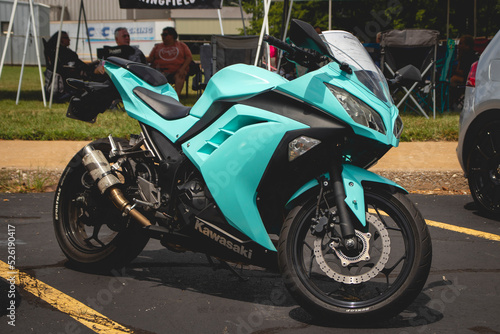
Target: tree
365, 18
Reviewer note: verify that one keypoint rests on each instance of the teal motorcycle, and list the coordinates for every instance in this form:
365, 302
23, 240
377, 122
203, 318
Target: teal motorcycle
260, 171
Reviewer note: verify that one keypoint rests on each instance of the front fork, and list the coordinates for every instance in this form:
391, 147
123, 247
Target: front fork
346, 181
346, 224
322, 223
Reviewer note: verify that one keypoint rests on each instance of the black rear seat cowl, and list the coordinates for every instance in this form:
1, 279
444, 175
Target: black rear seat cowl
150, 75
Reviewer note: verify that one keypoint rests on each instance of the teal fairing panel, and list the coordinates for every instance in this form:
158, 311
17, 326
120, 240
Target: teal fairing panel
125, 81
232, 155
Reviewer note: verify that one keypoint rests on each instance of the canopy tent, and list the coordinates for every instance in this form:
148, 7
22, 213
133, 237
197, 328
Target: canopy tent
175, 4
171, 4
31, 26
32, 23
58, 43
217, 4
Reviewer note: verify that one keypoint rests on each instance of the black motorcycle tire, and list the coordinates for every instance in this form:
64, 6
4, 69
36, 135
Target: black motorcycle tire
367, 301
123, 244
483, 172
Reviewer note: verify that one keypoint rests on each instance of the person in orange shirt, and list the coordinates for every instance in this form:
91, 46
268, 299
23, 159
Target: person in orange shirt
172, 58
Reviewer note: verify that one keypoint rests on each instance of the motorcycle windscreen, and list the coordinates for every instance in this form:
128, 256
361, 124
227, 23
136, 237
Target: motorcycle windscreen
347, 48
232, 154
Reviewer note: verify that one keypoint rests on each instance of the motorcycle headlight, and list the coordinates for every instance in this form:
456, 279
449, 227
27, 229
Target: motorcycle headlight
398, 127
359, 111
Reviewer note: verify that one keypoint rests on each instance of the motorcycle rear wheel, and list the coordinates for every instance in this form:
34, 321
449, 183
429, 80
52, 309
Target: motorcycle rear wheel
90, 230
371, 286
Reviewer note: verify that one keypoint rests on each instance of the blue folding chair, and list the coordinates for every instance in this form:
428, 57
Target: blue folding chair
445, 66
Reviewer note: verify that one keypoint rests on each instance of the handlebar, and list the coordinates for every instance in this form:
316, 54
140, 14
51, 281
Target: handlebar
279, 44
306, 58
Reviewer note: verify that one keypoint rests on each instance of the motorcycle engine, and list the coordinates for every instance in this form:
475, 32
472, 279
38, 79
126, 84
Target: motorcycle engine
193, 191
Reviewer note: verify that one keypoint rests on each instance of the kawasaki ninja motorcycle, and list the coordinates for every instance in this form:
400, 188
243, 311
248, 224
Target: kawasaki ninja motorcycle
261, 171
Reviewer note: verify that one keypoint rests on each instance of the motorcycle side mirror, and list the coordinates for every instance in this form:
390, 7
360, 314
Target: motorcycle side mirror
305, 36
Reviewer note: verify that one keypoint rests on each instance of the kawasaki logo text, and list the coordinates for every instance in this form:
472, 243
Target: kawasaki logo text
240, 249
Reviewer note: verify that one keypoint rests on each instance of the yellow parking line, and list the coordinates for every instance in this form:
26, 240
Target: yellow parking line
465, 230
469, 231
64, 303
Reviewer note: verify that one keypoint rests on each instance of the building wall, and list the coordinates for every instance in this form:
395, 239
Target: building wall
206, 21
15, 48
207, 26
95, 10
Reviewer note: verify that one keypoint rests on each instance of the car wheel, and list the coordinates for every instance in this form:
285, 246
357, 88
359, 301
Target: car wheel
484, 168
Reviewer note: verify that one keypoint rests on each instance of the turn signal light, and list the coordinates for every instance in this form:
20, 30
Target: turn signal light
300, 146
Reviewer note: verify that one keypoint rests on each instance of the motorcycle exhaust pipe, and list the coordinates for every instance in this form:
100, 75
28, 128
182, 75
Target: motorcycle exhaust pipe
100, 171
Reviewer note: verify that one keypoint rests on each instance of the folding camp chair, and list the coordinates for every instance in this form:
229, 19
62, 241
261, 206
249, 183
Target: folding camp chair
229, 50
206, 63
445, 67
417, 47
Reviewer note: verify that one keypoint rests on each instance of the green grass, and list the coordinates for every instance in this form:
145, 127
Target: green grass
443, 128
30, 120
27, 181
31, 123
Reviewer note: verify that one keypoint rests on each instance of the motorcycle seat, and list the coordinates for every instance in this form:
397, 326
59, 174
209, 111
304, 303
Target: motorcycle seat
165, 106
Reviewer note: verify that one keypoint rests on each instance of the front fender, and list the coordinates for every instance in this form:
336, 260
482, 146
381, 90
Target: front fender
353, 178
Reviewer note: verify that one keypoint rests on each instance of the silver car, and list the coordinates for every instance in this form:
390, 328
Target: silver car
478, 148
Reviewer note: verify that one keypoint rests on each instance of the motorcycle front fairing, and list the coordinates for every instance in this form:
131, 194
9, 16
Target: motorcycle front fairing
366, 84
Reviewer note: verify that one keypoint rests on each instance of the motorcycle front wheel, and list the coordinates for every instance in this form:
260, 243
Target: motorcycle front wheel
90, 230
372, 283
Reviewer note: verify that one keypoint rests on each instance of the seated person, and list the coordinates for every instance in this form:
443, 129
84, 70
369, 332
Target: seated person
122, 38
69, 65
172, 58
123, 49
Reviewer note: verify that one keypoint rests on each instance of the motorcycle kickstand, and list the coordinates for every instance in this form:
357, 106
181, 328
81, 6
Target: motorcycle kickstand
224, 265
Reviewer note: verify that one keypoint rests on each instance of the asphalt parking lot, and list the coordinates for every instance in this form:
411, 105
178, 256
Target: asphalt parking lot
166, 292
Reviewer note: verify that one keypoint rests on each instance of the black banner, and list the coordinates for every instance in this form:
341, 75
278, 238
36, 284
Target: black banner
171, 4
